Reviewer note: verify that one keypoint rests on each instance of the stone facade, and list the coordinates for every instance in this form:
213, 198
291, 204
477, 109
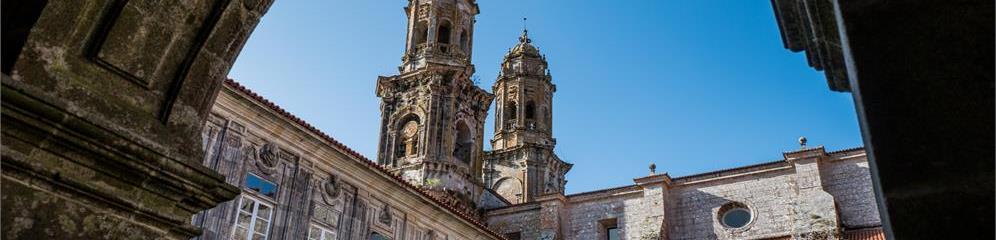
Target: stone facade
795, 198
319, 185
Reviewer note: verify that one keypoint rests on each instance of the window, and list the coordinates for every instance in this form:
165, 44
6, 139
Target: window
443, 35
320, 233
464, 143
530, 110
253, 221
263, 187
421, 33
612, 233
377, 236
610, 229
514, 236
735, 215
510, 111
736, 218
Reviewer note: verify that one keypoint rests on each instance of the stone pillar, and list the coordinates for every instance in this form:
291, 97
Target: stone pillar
552, 210
814, 208
653, 209
102, 110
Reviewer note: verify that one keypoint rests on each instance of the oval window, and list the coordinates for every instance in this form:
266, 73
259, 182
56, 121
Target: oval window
736, 217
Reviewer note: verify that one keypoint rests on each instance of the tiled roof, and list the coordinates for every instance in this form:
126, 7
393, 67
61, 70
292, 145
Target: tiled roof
847, 150
335, 143
875, 233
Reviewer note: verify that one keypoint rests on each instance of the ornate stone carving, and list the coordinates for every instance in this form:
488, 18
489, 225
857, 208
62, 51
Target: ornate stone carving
330, 190
385, 215
430, 235
267, 160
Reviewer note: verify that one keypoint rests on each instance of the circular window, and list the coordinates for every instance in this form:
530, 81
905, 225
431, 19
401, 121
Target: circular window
736, 217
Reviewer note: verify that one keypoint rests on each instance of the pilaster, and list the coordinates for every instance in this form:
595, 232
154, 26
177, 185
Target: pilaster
815, 211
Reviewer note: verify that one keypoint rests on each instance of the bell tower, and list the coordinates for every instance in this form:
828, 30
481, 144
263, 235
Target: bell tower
522, 164
432, 114
524, 95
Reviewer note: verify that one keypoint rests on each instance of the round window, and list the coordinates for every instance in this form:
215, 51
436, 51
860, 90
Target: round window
736, 217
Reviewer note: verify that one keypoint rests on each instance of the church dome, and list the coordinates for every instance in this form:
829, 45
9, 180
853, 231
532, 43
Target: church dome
525, 46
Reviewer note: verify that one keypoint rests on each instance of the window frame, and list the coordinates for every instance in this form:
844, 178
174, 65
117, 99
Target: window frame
245, 185
608, 232
323, 232
724, 214
606, 226
250, 228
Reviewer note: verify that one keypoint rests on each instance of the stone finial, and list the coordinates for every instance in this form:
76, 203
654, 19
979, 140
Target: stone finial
525, 33
653, 169
802, 142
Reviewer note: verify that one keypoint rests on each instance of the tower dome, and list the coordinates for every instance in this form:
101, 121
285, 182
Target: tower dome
525, 47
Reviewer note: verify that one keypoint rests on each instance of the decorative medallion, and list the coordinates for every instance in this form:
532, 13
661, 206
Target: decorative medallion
331, 189
267, 161
410, 129
430, 235
385, 215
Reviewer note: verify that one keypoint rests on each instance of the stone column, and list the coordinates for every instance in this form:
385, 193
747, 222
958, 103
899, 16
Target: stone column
814, 209
552, 210
102, 112
653, 209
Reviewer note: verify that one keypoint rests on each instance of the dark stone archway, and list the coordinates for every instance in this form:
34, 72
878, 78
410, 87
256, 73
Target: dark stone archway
103, 104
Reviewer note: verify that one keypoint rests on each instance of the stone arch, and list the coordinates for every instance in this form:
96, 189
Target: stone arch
530, 110
443, 32
510, 188
463, 144
421, 32
408, 130
510, 111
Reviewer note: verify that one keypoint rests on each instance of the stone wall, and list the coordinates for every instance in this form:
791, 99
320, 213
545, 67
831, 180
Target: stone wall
694, 204
319, 182
848, 180
523, 219
792, 198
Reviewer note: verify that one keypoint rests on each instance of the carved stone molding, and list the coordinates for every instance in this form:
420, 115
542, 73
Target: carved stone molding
385, 215
268, 158
331, 190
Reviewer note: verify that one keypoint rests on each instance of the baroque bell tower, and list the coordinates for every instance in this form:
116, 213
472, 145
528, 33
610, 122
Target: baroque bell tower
522, 164
432, 114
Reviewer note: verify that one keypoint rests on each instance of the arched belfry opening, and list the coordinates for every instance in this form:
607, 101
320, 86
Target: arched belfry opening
443, 33
407, 144
510, 112
421, 33
530, 110
462, 147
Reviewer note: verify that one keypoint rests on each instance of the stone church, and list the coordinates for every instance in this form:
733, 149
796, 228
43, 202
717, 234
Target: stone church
432, 178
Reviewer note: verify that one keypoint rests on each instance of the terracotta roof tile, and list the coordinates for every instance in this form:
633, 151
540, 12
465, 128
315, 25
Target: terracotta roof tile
874, 233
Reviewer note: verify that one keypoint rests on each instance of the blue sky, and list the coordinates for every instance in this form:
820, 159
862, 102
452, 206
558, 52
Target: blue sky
692, 86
